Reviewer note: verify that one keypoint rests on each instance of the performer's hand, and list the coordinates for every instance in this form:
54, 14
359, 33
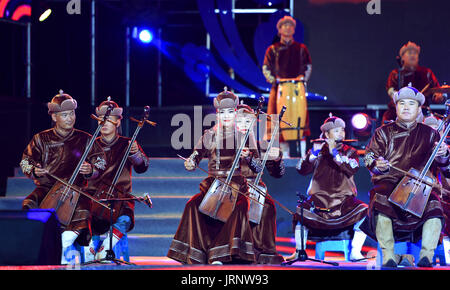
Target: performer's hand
317, 146
331, 144
274, 153
245, 152
382, 164
86, 168
443, 149
38, 171
189, 164
134, 148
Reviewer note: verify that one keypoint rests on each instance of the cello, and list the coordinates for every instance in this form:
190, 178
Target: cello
64, 195
256, 209
108, 191
220, 200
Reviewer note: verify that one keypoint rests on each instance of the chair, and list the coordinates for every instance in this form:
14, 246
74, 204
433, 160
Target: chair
335, 246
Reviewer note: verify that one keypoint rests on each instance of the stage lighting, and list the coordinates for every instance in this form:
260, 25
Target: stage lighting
145, 36
360, 121
362, 125
45, 14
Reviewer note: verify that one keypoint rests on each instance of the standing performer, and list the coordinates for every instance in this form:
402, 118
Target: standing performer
57, 151
288, 64
411, 74
115, 147
404, 144
265, 231
201, 239
332, 210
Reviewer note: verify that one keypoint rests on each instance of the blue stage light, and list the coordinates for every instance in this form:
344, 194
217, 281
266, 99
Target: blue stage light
145, 36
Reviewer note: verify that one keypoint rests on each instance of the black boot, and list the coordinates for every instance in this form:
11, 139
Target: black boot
390, 264
424, 262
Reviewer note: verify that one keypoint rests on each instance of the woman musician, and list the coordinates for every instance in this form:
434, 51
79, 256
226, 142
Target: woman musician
265, 228
201, 239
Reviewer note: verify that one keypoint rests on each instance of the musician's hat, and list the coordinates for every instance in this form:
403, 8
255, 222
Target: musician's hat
332, 122
103, 107
409, 93
61, 102
226, 99
286, 19
408, 46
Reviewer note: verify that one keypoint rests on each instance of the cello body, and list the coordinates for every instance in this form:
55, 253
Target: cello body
256, 208
412, 195
63, 200
101, 212
219, 200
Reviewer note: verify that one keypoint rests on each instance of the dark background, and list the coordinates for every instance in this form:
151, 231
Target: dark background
352, 54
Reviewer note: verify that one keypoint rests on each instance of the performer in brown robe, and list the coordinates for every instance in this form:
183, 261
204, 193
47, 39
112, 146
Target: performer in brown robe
201, 239
264, 233
58, 151
332, 210
114, 146
411, 74
286, 59
405, 144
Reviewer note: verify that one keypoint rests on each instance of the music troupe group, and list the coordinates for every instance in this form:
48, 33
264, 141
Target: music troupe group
233, 217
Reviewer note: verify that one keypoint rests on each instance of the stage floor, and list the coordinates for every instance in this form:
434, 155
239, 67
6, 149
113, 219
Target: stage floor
164, 263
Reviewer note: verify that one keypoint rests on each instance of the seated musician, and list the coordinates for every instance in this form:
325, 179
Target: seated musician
200, 238
404, 144
332, 211
265, 229
58, 151
115, 147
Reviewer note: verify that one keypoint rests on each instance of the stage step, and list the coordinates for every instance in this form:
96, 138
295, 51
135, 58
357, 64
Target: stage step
19, 186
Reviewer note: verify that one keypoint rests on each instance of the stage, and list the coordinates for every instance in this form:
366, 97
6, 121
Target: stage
164, 263
175, 58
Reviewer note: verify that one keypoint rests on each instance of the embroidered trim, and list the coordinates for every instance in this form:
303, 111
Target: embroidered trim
187, 251
237, 243
26, 166
369, 159
100, 163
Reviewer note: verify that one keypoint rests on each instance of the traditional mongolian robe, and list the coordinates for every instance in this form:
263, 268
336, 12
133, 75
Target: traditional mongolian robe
332, 208
285, 61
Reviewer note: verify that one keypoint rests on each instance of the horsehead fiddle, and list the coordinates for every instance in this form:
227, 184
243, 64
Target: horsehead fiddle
255, 209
